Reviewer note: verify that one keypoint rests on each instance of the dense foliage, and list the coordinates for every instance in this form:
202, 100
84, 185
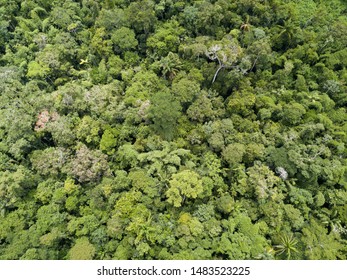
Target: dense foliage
168, 129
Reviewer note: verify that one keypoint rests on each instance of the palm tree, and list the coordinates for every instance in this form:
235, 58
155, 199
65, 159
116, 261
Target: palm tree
287, 32
170, 65
286, 246
246, 26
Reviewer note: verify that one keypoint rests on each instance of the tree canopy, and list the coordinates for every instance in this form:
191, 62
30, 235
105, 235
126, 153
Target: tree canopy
213, 129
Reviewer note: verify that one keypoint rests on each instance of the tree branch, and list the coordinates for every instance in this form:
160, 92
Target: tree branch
215, 75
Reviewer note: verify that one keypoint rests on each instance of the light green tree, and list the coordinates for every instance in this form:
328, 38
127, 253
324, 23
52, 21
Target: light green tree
185, 184
82, 250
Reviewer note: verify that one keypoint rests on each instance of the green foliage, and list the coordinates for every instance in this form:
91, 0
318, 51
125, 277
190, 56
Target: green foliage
124, 39
185, 90
164, 112
185, 184
108, 141
233, 153
88, 130
242, 239
292, 113
49, 161
241, 103
263, 181
173, 129
318, 244
82, 250
165, 39
13, 186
